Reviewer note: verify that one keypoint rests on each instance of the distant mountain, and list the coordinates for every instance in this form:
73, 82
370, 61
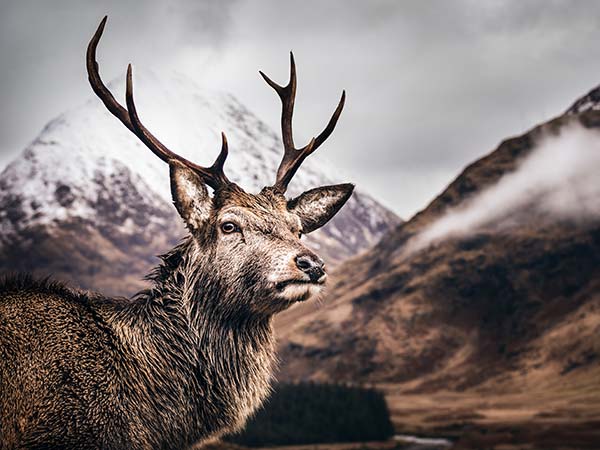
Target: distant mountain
87, 202
513, 303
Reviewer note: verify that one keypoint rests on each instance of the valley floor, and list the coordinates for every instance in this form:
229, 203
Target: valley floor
526, 411
566, 416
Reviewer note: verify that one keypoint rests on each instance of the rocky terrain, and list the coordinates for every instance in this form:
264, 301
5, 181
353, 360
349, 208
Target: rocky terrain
88, 203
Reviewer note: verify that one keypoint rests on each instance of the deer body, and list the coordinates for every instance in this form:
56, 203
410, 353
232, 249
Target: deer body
150, 373
190, 358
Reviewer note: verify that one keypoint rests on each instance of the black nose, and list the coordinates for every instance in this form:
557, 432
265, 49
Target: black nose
311, 265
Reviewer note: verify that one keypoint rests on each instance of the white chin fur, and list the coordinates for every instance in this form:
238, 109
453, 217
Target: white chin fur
295, 292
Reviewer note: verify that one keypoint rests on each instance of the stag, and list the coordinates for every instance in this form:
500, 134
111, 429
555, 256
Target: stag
190, 358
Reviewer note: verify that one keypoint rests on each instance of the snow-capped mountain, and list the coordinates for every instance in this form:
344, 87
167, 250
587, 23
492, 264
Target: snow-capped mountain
87, 201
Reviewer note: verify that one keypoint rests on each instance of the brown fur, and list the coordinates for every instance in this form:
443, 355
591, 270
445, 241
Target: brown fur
183, 362
187, 360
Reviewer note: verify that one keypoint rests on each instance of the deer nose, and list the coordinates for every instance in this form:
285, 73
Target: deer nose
311, 265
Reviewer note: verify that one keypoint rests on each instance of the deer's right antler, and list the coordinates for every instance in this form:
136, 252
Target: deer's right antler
292, 156
213, 175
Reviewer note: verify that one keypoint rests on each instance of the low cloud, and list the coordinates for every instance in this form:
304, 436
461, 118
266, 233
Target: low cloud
560, 177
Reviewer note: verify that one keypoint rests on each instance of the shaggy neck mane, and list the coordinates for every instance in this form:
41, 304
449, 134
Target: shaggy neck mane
183, 342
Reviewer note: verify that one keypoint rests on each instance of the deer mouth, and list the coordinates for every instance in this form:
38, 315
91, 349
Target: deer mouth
296, 290
296, 282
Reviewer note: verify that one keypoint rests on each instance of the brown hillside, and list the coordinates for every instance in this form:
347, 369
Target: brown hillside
499, 309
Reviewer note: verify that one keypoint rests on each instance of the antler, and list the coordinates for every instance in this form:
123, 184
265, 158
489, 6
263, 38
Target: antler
213, 175
293, 157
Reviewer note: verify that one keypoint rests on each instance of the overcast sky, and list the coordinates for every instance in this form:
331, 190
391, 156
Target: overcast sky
431, 85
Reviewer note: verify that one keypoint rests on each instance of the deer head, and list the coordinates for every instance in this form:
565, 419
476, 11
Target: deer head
250, 242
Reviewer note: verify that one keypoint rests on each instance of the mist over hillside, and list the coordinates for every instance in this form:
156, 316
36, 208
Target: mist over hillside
559, 178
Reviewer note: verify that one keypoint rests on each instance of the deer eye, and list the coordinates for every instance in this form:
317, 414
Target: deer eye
229, 227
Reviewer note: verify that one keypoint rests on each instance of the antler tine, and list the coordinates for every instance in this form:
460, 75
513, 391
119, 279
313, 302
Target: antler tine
213, 176
96, 82
293, 157
287, 94
322, 137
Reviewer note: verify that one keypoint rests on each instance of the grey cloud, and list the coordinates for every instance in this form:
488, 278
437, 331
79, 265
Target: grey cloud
431, 84
42, 46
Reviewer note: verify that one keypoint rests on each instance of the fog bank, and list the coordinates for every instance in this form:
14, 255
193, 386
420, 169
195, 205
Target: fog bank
560, 177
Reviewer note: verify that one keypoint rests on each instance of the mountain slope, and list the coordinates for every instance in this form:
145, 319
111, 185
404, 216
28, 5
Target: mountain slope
87, 202
512, 303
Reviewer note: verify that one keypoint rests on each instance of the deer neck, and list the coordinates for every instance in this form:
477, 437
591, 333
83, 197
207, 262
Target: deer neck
213, 364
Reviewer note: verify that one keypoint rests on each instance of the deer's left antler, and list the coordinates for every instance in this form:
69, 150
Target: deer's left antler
293, 157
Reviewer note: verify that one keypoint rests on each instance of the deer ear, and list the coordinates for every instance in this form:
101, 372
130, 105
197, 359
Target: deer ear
317, 206
190, 195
